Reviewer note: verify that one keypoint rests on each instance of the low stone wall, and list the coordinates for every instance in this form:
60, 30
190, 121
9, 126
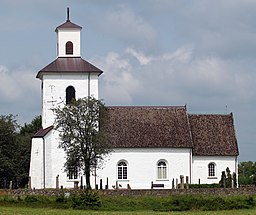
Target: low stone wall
152, 192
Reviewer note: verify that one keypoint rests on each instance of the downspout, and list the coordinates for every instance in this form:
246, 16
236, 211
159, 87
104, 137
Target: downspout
191, 149
89, 84
44, 161
190, 166
236, 171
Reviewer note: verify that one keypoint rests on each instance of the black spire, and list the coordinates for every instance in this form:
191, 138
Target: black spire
68, 14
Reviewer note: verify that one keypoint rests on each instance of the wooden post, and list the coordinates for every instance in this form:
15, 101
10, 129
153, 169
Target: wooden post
10, 187
187, 183
177, 183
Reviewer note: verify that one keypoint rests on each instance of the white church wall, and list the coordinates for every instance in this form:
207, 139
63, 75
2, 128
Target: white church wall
54, 92
65, 35
36, 170
142, 167
200, 168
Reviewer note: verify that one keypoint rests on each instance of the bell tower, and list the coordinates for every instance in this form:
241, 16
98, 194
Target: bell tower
68, 39
69, 76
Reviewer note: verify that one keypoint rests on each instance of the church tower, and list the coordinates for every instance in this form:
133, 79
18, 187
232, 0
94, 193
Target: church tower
67, 77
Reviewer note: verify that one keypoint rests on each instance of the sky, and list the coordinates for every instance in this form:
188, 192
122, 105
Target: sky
153, 52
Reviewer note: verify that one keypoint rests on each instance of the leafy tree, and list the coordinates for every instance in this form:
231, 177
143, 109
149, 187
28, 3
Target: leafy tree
8, 135
246, 172
84, 143
15, 150
32, 127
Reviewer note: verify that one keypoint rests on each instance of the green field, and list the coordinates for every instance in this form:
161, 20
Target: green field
45, 211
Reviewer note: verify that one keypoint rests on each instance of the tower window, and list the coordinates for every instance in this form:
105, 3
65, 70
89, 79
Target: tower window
70, 94
69, 48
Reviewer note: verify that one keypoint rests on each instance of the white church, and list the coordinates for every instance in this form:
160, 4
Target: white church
150, 144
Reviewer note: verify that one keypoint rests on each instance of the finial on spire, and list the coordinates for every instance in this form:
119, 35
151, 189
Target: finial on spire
68, 14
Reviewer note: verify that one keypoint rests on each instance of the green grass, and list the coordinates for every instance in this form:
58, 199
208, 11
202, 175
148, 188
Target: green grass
4, 210
190, 204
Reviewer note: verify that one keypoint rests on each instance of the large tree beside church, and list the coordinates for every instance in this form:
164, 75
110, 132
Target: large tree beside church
15, 143
84, 142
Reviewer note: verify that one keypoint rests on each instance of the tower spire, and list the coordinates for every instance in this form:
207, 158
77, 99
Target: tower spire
68, 14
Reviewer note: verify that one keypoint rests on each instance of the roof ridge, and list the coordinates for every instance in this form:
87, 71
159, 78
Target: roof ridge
147, 106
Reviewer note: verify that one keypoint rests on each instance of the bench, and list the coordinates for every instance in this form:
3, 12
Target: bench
156, 185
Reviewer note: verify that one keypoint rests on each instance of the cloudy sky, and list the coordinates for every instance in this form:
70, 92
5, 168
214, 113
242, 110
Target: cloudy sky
152, 52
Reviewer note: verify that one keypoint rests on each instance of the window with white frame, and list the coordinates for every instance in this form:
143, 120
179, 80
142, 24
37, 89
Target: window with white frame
72, 173
161, 170
122, 170
211, 169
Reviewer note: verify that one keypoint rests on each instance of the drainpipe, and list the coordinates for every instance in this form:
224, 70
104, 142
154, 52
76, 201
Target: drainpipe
44, 161
89, 84
190, 165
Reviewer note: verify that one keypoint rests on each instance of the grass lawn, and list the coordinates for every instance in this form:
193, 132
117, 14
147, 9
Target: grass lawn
4, 210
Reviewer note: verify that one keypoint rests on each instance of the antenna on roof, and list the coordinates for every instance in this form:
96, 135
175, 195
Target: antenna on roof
68, 14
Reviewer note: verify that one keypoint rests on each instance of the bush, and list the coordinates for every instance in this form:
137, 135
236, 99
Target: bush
86, 200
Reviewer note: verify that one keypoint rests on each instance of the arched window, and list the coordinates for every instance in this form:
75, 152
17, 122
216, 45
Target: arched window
211, 169
122, 170
161, 170
69, 48
70, 94
72, 173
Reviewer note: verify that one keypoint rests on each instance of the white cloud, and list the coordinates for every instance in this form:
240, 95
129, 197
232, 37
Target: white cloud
123, 24
174, 79
19, 92
143, 60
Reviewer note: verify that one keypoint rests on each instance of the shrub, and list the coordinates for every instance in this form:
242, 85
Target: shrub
86, 200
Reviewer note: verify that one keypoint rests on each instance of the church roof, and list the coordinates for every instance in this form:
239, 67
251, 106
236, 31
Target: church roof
69, 65
171, 127
213, 134
68, 24
42, 132
147, 127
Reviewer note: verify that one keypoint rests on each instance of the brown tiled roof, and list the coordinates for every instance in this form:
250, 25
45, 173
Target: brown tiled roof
68, 24
143, 127
42, 132
69, 65
213, 134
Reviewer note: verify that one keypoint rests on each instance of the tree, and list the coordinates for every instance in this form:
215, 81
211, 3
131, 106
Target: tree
15, 144
8, 135
84, 143
246, 172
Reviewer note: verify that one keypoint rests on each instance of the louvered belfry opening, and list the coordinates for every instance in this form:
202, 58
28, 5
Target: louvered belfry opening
69, 48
